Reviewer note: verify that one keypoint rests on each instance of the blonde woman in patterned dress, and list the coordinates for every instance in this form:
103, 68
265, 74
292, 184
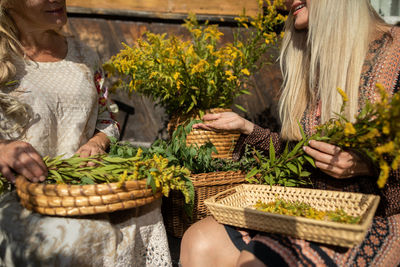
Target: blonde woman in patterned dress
327, 44
52, 102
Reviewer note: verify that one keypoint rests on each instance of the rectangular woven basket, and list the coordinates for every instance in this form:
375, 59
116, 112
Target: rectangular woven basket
235, 207
205, 185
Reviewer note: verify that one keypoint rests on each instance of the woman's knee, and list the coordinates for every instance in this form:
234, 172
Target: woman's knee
247, 259
207, 242
199, 237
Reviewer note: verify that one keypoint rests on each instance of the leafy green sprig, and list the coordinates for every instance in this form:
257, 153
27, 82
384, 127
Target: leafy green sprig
374, 133
287, 169
198, 159
301, 209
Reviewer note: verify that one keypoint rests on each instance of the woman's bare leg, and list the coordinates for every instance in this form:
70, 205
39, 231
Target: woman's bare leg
206, 243
247, 259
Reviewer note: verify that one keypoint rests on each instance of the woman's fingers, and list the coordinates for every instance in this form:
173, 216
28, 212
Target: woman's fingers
333, 170
28, 167
325, 147
226, 121
6, 172
210, 117
23, 159
83, 152
318, 155
38, 159
336, 162
201, 126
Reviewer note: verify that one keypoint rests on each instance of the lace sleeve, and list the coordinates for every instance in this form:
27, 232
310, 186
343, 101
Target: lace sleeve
106, 121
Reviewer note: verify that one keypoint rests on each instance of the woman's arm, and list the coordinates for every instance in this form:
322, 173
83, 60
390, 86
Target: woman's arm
226, 121
251, 134
106, 125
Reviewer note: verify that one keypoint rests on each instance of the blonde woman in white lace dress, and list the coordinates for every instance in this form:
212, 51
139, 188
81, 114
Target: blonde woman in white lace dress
52, 102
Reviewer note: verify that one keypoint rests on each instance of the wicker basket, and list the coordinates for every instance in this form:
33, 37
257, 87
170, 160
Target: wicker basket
206, 185
235, 207
224, 142
76, 200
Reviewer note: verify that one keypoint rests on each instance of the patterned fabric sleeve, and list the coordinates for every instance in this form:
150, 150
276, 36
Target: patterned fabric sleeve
106, 121
260, 139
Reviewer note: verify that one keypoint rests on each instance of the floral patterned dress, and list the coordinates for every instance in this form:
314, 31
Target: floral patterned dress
381, 246
68, 104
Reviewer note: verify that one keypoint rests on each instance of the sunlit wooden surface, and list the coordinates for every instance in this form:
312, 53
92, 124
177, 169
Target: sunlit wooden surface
164, 8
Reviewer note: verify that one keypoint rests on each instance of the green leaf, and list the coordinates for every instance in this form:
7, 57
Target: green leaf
303, 135
150, 181
290, 183
194, 99
271, 150
58, 177
190, 107
292, 167
87, 180
305, 174
310, 160
245, 92
240, 107
286, 150
296, 149
201, 114
253, 172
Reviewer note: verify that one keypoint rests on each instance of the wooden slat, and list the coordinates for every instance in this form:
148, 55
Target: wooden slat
164, 8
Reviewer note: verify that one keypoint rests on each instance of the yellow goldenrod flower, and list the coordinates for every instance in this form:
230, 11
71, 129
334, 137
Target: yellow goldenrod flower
386, 128
349, 129
370, 135
343, 94
384, 174
245, 72
386, 148
197, 33
395, 163
122, 178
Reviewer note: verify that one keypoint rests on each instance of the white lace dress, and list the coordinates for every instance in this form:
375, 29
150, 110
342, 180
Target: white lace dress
68, 104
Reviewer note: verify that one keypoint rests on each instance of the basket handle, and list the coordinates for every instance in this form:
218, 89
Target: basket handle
225, 193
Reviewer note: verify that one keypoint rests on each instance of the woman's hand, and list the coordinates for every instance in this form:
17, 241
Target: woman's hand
336, 162
21, 158
97, 145
226, 121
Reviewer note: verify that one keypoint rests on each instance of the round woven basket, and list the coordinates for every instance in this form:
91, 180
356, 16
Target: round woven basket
205, 185
75, 200
224, 142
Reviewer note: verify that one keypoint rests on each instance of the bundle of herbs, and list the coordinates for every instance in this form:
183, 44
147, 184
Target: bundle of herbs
191, 75
375, 132
301, 209
197, 159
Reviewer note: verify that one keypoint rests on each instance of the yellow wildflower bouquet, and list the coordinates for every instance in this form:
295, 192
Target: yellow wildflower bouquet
197, 74
375, 132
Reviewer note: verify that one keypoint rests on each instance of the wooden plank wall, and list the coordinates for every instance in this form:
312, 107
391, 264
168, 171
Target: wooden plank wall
164, 8
105, 35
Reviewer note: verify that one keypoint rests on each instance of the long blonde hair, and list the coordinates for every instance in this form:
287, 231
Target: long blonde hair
16, 113
329, 54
